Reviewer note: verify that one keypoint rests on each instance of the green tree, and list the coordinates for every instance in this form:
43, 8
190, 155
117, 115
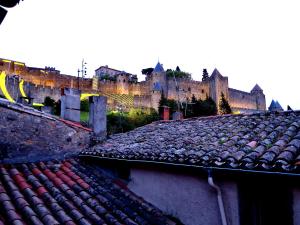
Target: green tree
194, 100
224, 105
163, 100
57, 108
85, 105
205, 75
49, 101
147, 71
178, 74
205, 107
118, 122
188, 107
209, 107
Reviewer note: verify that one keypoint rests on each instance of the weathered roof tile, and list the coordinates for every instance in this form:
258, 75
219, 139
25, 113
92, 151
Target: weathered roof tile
256, 141
67, 193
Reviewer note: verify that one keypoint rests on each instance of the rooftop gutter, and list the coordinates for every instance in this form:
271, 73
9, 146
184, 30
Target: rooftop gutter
204, 168
219, 197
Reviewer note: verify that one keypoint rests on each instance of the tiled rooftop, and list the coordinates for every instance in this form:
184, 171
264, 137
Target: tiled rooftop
264, 141
69, 193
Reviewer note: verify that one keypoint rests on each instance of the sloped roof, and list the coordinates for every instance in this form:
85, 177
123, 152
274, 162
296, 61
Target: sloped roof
108, 68
158, 68
216, 73
272, 105
256, 88
69, 193
275, 106
263, 141
278, 105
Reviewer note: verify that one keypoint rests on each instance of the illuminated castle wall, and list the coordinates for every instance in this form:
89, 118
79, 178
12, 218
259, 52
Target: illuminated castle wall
47, 81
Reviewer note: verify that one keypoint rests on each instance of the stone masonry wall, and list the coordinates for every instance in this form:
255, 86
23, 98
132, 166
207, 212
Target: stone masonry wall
241, 99
37, 92
28, 137
49, 83
188, 88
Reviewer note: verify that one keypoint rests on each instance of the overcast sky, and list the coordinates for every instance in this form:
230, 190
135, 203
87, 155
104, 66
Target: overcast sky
251, 42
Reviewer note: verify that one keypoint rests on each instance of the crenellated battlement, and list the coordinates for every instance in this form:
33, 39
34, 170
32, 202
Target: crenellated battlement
49, 81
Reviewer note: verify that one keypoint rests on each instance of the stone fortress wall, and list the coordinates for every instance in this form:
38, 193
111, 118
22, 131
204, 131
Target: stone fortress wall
42, 82
241, 99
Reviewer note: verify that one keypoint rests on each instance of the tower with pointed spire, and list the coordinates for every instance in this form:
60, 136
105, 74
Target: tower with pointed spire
122, 85
258, 93
218, 84
158, 84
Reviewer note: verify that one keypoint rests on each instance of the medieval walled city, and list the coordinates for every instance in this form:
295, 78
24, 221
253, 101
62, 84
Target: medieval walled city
124, 88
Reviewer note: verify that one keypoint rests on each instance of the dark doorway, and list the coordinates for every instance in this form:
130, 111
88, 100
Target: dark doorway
265, 202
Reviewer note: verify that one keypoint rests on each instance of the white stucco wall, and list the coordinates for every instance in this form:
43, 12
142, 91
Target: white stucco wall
186, 197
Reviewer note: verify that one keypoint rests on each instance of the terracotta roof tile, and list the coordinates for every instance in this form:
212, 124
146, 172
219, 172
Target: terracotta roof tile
68, 193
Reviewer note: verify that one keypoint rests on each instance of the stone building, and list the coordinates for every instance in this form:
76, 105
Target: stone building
123, 88
104, 72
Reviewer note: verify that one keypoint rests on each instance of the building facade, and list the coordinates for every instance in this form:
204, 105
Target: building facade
116, 84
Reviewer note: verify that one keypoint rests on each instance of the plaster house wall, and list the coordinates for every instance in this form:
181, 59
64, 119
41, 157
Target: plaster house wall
186, 197
296, 206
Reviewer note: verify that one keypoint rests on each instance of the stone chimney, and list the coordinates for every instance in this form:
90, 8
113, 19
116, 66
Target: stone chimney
70, 104
97, 117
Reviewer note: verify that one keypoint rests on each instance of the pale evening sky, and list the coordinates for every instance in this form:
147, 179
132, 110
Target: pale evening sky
251, 42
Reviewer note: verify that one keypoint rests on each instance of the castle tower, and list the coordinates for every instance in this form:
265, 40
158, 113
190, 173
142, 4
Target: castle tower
260, 97
158, 82
95, 83
122, 83
217, 85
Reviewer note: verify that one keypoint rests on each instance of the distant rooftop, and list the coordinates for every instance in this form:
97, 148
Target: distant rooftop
158, 68
216, 73
256, 88
275, 106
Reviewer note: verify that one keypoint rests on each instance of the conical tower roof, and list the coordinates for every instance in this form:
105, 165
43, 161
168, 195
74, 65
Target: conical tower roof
272, 105
216, 73
275, 106
256, 88
278, 106
158, 68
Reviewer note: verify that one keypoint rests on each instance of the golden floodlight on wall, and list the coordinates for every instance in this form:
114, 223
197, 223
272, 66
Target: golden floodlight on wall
21, 88
86, 95
3, 87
